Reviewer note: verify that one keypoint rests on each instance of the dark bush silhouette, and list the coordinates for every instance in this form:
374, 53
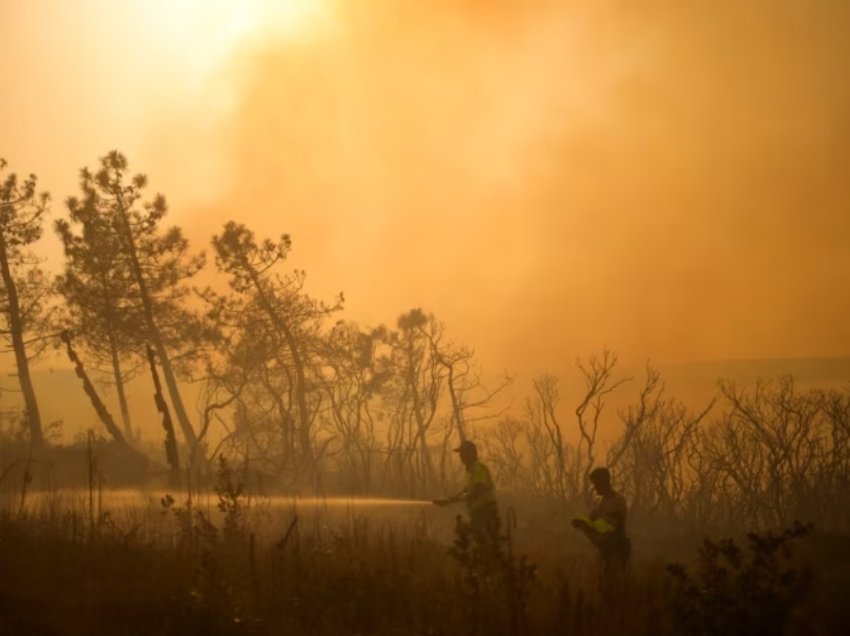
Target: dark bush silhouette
742, 591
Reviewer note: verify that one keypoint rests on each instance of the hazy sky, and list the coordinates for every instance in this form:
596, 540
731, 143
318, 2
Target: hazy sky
669, 178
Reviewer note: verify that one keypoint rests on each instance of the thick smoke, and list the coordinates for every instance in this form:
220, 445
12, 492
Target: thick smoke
671, 180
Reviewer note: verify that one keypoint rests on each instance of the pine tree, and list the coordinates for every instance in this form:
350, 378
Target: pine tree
23, 285
98, 288
274, 310
156, 260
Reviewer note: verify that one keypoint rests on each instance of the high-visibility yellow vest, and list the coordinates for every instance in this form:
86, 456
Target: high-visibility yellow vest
479, 475
600, 525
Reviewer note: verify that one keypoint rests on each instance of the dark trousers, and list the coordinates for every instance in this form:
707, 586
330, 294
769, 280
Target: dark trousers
485, 522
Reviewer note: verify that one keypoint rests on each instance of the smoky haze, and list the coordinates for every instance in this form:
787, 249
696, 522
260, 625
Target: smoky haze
671, 181
667, 179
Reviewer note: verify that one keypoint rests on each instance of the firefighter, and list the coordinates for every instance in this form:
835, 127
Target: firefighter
605, 526
478, 494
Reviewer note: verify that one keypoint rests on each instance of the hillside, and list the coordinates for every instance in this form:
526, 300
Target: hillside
698, 380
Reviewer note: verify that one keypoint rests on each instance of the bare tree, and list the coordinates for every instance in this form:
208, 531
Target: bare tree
599, 381
468, 395
413, 395
778, 435
507, 454
658, 435
355, 375
221, 389
541, 412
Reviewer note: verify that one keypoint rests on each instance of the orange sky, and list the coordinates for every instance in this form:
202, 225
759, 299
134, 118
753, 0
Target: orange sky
547, 177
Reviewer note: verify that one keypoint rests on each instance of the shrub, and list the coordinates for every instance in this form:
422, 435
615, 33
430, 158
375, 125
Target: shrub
736, 591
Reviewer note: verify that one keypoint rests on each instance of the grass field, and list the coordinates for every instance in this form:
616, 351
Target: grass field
130, 562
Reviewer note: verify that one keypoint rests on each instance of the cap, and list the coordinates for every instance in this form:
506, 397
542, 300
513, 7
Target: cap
601, 474
466, 445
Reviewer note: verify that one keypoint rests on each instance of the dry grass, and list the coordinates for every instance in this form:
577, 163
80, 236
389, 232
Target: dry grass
246, 567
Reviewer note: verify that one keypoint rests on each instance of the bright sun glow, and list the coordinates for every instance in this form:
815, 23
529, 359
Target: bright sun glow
203, 33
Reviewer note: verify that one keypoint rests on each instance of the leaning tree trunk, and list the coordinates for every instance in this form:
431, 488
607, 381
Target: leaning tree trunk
300, 378
154, 334
170, 440
16, 330
99, 407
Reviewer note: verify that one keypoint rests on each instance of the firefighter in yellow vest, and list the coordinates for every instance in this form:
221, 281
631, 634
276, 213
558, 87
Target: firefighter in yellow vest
478, 493
605, 526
